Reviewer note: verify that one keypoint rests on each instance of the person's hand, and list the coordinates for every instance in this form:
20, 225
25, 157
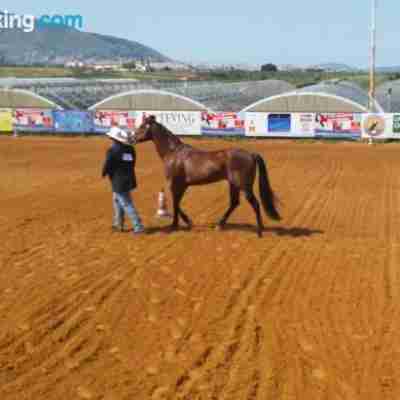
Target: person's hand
132, 138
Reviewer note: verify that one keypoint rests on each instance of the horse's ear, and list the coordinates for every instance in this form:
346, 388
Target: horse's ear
151, 120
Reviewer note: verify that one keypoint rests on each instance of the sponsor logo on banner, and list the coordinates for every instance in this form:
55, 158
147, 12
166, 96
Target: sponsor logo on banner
374, 125
396, 124
33, 120
338, 125
6, 120
227, 123
256, 124
178, 122
304, 124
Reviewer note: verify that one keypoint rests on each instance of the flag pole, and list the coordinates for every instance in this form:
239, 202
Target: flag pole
372, 58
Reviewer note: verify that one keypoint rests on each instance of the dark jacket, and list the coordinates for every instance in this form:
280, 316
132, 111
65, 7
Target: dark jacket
120, 167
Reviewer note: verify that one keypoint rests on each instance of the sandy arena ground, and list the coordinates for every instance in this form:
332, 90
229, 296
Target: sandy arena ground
311, 311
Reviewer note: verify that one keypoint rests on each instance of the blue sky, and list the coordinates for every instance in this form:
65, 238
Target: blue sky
252, 31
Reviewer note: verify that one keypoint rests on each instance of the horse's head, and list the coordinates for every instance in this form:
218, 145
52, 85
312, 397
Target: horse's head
145, 130
164, 140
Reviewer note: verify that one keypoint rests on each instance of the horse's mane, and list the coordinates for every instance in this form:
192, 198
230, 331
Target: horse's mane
173, 138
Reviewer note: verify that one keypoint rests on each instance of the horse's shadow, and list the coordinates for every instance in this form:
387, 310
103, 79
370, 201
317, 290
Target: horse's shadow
294, 232
279, 231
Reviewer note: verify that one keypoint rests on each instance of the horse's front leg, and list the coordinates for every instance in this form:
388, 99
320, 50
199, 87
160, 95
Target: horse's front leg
178, 190
175, 221
186, 219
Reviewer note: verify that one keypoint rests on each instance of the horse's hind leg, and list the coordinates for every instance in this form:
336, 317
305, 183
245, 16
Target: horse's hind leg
235, 201
256, 207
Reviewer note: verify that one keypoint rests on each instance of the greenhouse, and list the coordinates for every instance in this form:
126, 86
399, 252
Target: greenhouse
388, 96
18, 98
149, 100
329, 97
72, 93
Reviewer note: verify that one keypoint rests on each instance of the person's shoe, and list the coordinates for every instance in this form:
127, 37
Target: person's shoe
117, 228
140, 231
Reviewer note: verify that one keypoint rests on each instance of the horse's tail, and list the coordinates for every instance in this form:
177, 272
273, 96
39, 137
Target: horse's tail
268, 198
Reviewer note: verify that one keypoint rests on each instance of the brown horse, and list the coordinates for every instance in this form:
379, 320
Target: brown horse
186, 166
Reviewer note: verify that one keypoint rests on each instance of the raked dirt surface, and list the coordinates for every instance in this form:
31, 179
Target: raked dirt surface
310, 311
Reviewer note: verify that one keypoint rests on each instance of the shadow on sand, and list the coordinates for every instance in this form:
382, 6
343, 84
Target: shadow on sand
155, 230
294, 232
279, 231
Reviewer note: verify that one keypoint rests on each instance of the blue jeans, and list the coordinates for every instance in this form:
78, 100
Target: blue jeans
123, 204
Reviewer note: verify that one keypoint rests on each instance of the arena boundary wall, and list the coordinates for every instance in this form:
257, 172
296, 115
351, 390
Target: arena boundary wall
206, 123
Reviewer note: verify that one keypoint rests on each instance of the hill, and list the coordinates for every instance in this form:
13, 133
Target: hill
336, 67
59, 45
389, 70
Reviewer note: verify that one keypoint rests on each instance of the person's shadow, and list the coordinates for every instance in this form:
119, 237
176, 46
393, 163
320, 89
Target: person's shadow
154, 230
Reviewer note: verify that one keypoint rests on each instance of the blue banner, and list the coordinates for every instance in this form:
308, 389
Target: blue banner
279, 123
73, 121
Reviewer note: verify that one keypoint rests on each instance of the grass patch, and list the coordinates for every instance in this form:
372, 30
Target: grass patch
35, 72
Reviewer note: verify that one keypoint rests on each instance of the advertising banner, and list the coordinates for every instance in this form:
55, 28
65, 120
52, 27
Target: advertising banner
256, 124
223, 123
6, 120
303, 125
280, 125
396, 125
338, 125
104, 120
73, 121
379, 126
178, 122
33, 120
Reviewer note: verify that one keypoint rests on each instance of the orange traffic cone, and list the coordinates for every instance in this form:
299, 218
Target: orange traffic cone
162, 211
